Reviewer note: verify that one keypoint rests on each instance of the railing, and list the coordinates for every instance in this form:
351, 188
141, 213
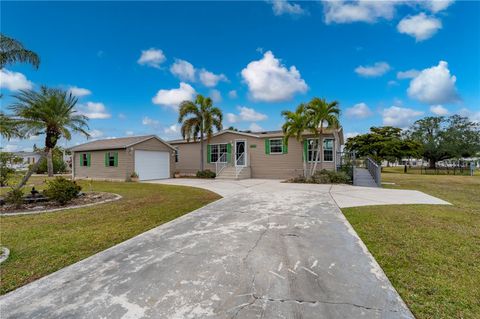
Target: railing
220, 164
238, 168
375, 170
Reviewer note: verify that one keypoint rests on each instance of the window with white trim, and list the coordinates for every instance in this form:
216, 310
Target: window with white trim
84, 159
312, 148
276, 146
328, 150
216, 152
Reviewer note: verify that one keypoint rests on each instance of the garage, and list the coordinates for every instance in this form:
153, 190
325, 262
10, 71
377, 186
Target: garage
152, 164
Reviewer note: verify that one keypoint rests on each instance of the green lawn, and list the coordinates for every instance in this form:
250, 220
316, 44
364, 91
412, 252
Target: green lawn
41, 244
430, 253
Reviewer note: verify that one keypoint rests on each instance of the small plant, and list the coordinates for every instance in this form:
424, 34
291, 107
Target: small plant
324, 177
15, 198
134, 175
206, 174
62, 190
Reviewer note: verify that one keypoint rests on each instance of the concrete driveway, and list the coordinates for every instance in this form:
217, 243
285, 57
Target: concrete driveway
266, 250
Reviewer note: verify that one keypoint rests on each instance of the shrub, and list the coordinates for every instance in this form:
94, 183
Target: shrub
323, 177
206, 174
59, 166
61, 190
15, 198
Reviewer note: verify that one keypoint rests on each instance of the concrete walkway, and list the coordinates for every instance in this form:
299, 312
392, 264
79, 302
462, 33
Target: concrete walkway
362, 177
267, 249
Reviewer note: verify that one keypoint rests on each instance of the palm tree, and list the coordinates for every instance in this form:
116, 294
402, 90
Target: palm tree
12, 51
320, 113
294, 126
50, 112
9, 126
198, 120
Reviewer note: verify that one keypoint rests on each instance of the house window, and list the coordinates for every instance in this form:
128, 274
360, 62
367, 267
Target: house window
216, 152
312, 147
85, 159
276, 146
111, 159
176, 154
328, 150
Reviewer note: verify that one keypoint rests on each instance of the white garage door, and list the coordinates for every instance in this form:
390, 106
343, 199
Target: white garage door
152, 165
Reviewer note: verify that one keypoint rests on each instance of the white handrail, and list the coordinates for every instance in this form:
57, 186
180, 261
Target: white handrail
238, 168
375, 170
220, 164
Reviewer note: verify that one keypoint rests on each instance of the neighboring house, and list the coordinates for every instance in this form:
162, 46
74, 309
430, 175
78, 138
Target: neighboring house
117, 159
28, 158
235, 154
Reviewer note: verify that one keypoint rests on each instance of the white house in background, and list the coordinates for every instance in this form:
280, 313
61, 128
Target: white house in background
28, 158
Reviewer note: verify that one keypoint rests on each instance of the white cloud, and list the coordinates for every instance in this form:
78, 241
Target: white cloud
351, 134
79, 92
377, 69
184, 70
172, 129
360, 110
358, 11
254, 127
281, 7
211, 79
95, 134
232, 94
129, 133
152, 57
10, 148
409, 74
149, 122
399, 116
246, 114
438, 110
421, 27
437, 5
172, 98
474, 116
392, 83
215, 95
434, 85
94, 110
268, 80
122, 116
14, 81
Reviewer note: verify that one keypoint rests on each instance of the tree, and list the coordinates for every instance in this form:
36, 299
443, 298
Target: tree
6, 161
321, 113
12, 51
198, 120
444, 138
383, 143
294, 126
50, 112
9, 127
58, 163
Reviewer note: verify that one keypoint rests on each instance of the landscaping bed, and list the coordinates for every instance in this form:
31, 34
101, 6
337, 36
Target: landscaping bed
82, 200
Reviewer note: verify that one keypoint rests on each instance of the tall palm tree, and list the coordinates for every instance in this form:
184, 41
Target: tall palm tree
50, 112
198, 120
9, 126
320, 113
12, 51
294, 126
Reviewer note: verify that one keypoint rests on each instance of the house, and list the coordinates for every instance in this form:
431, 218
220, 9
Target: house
28, 158
236, 154
117, 159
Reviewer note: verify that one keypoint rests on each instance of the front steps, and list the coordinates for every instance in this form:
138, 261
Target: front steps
362, 177
229, 172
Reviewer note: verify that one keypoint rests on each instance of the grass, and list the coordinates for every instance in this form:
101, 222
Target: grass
41, 244
430, 253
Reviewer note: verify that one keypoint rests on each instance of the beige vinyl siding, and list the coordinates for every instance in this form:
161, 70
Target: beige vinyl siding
97, 168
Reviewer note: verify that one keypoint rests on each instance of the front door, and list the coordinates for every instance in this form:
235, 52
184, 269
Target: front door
240, 153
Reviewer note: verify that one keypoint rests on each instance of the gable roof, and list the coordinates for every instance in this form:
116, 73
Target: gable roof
115, 143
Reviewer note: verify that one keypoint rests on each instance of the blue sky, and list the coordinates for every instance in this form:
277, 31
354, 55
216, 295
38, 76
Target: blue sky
387, 63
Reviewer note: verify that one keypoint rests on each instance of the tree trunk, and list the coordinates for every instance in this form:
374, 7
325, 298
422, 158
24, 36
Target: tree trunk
32, 169
432, 163
202, 165
317, 157
50, 162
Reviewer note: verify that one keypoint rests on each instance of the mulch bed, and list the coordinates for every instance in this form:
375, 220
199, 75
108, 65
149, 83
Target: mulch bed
83, 199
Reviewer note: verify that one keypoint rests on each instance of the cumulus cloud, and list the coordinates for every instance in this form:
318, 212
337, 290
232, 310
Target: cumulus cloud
149, 121
270, 81
184, 70
129, 133
215, 95
94, 110
254, 127
14, 81
172, 98
360, 110
438, 110
399, 116
232, 94
79, 92
172, 129
246, 114
358, 11
152, 57
434, 85
420, 26
351, 134
409, 74
473, 115
377, 69
95, 134
281, 7
10, 148
437, 5
211, 79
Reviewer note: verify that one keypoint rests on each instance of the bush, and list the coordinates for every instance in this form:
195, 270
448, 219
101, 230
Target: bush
59, 166
323, 177
62, 190
15, 198
206, 174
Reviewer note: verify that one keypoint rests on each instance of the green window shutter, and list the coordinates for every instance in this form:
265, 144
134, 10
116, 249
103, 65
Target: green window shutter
305, 150
88, 159
115, 157
284, 148
106, 159
209, 151
229, 152
81, 159
267, 146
